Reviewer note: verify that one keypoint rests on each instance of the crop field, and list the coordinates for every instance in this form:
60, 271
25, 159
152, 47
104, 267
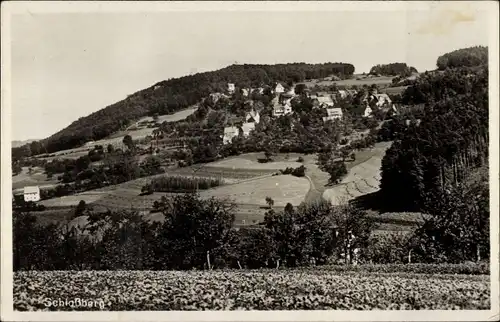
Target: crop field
301, 289
229, 175
394, 90
282, 189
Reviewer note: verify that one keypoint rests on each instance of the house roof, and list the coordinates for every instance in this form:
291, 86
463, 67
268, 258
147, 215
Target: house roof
325, 100
32, 189
230, 129
334, 111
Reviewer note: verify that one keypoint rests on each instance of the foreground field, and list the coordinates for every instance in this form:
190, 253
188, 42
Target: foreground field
307, 289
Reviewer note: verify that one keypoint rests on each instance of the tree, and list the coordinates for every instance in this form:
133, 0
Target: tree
270, 202
192, 228
80, 208
110, 148
336, 170
129, 143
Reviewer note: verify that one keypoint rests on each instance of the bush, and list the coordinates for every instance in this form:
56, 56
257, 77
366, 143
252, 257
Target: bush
300, 159
298, 172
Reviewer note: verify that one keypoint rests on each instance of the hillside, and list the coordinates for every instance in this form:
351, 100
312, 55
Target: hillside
172, 95
19, 143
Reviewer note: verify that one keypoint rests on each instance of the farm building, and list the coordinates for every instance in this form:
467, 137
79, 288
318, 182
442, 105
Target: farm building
325, 101
31, 193
280, 110
252, 116
332, 114
279, 89
229, 133
247, 128
231, 88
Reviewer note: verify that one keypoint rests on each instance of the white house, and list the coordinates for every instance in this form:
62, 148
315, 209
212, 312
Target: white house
333, 113
252, 116
247, 128
382, 99
279, 89
245, 92
231, 88
325, 101
31, 193
343, 93
367, 112
229, 133
280, 110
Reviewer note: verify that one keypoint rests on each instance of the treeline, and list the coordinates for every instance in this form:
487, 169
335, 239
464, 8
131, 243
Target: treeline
432, 87
180, 184
199, 234
450, 140
465, 57
393, 69
176, 94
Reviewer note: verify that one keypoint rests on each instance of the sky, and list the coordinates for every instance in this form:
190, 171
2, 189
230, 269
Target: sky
67, 65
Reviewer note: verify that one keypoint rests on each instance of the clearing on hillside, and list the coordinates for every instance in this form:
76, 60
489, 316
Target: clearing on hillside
282, 189
357, 80
37, 177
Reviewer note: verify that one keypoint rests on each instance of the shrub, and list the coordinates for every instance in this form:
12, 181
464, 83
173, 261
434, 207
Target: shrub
300, 159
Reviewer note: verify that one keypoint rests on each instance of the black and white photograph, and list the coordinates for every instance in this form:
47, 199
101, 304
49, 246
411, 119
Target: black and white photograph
254, 160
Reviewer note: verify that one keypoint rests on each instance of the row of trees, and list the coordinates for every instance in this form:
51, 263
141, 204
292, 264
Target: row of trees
199, 234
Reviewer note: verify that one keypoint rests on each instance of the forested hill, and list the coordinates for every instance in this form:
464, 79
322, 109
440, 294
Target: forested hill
466, 57
176, 94
448, 144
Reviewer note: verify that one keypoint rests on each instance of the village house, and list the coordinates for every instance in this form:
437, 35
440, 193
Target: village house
245, 92
215, 97
231, 88
382, 99
247, 128
333, 114
252, 116
285, 99
325, 101
31, 193
343, 94
279, 89
367, 112
229, 133
280, 110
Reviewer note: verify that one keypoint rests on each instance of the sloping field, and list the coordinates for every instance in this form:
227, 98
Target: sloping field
282, 189
37, 177
171, 117
243, 163
362, 179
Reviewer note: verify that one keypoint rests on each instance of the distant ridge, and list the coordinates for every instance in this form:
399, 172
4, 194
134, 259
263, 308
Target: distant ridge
19, 143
